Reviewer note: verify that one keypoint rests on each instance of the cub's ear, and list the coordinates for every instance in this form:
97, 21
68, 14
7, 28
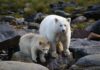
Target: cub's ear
56, 20
48, 42
69, 20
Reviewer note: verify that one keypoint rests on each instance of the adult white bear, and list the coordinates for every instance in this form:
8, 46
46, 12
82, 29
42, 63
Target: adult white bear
56, 29
31, 43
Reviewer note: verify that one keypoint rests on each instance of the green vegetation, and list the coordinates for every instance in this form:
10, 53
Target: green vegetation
86, 3
69, 9
32, 6
79, 26
40, 5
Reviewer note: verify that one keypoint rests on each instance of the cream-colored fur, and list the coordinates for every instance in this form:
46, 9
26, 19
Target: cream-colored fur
56, 29
31, 42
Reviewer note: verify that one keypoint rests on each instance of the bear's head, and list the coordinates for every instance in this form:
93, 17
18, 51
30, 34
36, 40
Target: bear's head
44, 45
62, 24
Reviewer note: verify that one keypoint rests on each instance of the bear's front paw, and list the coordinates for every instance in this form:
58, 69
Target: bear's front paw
69, 56
42, 59
65, 54
54, 54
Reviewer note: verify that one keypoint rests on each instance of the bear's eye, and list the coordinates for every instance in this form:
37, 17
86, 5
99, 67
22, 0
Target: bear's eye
60, 25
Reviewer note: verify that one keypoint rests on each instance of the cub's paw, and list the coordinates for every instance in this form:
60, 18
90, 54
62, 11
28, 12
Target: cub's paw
35, 61
42, 59
54, 54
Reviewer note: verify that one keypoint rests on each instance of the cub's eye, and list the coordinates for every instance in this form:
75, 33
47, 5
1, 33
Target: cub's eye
64, 25
60, 25
40, 43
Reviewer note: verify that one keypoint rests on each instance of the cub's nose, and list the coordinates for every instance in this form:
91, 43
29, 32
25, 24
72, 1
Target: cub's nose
63, 30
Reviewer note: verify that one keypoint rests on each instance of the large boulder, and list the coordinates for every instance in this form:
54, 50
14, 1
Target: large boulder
82, 47
6, 32
89, 62
95, 27
7, 18
60, 63
15, 65
8, 39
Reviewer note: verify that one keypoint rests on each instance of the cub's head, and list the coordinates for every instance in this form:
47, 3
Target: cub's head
44, 45
62, 24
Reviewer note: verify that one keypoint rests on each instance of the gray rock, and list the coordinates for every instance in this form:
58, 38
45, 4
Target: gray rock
7, 18
79, 19
89, 62
95, 27
6, 32
20, 21
8, 40
8, 37
93, 12
88, 28
33, 26
39, 17
15, 65
82, 47
18, 56
62, 13
75, 67
60, 63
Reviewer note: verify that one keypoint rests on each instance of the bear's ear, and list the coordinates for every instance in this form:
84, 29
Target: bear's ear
56, 20
69, 20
